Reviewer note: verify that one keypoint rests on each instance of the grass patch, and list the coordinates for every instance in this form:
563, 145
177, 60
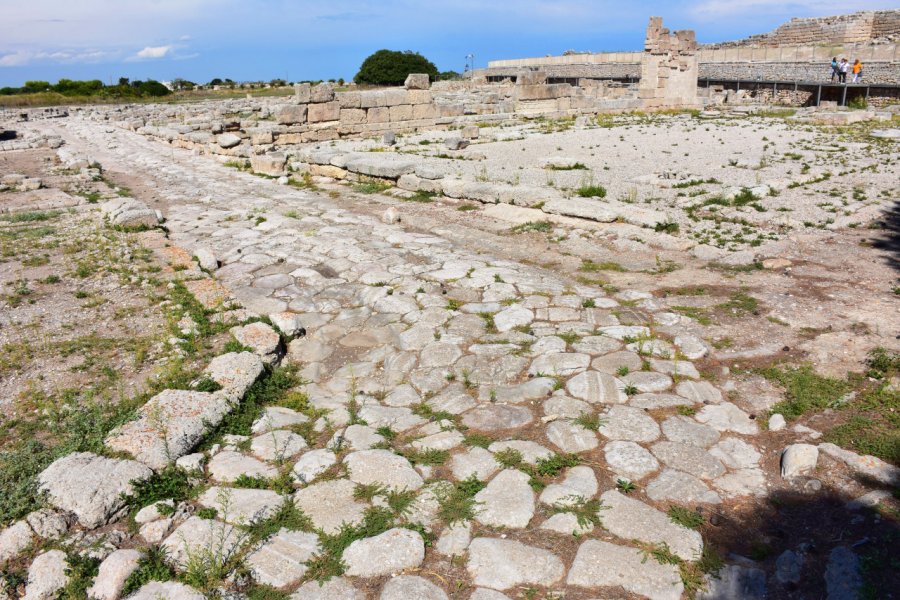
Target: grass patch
538, 226
701, 315
589, 266
804, 390
572, 167
152, 566
591, 191
456, 503
685, 517
371, 187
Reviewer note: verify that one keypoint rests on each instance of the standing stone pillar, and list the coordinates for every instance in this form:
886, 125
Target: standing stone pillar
669, 68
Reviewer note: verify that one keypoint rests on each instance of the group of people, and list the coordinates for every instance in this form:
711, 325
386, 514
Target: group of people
840, 70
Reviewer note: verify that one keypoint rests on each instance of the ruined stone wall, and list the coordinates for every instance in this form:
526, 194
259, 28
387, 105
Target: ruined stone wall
873, 72
841, 29
668, 68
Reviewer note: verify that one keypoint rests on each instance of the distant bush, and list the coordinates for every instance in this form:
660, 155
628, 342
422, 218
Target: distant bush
94, 87
390, 67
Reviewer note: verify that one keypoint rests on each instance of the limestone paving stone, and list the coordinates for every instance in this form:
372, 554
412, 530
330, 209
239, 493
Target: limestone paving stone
736, 453
170, 590
495, 417
48, 524
727, 417
312, 464
630, 460
330, 504
382, 467
390, 552
689, 459
571, 437
197, 535
561, 364
91, 487
277, 445
598, 563
627, 423
507, 501
281, 560
112, 574
411, 587
46, 576
699, 391
277, 417
235, 372
227, 466
654, 401
504, 564
579, 482
597, 388
798, 460
688, 431
630, 519
454, 539
15, 539
336, 588
681, 487
648, 381
241, 506
475, 461
356, 437
567, 523
486, 594
735, 582
259, 336
613, 362
531, 452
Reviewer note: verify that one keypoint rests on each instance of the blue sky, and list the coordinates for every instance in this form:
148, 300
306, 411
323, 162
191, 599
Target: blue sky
306, 39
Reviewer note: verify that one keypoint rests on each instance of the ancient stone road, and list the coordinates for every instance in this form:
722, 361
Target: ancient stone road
533, 360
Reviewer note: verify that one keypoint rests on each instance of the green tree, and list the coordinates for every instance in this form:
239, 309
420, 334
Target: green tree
33, 87
390, 67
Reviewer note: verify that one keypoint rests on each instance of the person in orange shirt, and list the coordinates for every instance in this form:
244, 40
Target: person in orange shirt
857, 71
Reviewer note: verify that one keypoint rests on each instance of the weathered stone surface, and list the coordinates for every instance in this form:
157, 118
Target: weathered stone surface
228, 140
390, 552
699, 391
734, 582
512, 317
507, 501
531, 452
736, 454
579, 483
277, 445
90, 486
494, 417
454, 539
382, 467
48, 524
114, 571
680, 487
169, 426
690, 459
14, 539
504, 564
277, 417
798, 460
196, 536
727, 417
486, 594
241, 506
380, 165
330, 504
867, 466
235, 372
46, 576
411, 587
687, 431
227, 466
336, 588
570, 437
417, 81
291, 114
629, 460
599, 563
312, 464
629, 424
567, 523
595, 387
280, 561
559, 364
843, 575
258, 336
476, 461
632, 519
170, 590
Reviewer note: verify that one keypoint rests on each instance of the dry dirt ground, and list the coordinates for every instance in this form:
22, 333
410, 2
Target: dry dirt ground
85, 308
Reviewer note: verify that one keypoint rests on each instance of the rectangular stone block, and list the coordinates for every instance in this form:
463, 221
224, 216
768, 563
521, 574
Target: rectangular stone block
379, 114
425, 111
327, 111
324, 92
371, 99
395, 97
301, 93
403, 112
451, 110
291, 114
419, 96
352, 116
349, 99
417, 81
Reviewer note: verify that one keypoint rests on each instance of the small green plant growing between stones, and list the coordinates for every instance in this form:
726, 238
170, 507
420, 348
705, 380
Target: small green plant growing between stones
625, 486
456, 502
152, 566
685, 517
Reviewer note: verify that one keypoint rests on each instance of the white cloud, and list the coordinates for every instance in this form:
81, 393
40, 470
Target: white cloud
716, 9
15, 59
153, 52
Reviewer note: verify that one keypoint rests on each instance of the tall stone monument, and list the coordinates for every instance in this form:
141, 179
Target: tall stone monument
669, 68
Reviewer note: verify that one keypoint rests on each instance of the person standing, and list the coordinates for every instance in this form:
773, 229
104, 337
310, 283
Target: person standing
842, 71
834, 68
857, 71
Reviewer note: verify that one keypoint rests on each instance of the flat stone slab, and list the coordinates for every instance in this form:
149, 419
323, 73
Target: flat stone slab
503, 564
599, 563
630, 460
495, 417
798, 460
734, 582
868, 466
90, 486
531, 452
240, 506
597, 388
336, 588
690, 459
112, 574
579, 483
411, 587
680, 487
475, 461
235, 372
330, 504
382, 467
631, 519
170, 590
258, 336
727, 417
277, 417
507, 501
688, 431
281, 560
571, 437
196, 536
312, 464
169, 426
277, 445
628, 424
47, 576
227, 466
390, 552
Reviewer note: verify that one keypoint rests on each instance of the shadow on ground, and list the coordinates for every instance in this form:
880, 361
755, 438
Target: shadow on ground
888, 239
820, 527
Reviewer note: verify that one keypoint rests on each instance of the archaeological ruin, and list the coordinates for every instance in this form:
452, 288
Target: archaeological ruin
616, 325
